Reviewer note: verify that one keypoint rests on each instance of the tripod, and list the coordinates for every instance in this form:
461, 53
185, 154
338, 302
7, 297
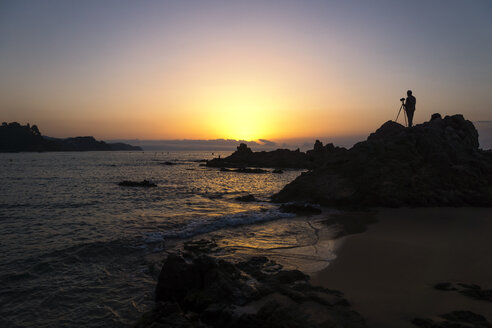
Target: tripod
402, 107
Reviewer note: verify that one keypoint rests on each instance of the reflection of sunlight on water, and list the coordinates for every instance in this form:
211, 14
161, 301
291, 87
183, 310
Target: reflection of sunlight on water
302, 243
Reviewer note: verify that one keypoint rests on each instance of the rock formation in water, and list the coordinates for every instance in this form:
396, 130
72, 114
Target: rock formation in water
280, 158
198, 290
143, 184
437, 163
16, 138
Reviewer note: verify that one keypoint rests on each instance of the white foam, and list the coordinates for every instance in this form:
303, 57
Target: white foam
210, 224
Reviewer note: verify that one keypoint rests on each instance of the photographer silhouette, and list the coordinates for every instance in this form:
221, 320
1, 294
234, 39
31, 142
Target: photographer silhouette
410, 107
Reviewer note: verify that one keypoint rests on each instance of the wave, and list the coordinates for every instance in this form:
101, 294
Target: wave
210, 224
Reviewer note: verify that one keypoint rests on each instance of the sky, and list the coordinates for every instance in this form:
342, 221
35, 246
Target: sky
276, 70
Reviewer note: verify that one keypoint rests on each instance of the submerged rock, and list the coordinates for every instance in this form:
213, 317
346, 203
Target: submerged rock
144, 183
437, 163
246, 198
195, 289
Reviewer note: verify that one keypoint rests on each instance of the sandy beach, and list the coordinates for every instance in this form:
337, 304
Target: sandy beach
388, 273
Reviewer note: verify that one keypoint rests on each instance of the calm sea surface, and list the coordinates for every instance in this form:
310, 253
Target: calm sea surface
79, 250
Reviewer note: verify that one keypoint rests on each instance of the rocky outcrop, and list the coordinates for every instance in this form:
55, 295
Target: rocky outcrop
466, 289
143, 184
246, 198
454, 319
195, 289
437, 163
16, 138
280, 158
321, 154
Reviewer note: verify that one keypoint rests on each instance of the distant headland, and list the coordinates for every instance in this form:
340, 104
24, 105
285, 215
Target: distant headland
15, 137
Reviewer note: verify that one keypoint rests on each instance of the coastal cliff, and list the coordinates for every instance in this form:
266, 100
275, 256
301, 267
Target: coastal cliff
15, 137
437, 163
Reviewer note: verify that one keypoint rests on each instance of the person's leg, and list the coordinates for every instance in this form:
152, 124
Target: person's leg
410, 118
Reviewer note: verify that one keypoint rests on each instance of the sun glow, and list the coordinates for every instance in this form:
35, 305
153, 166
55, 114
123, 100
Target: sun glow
242, 113
244, 119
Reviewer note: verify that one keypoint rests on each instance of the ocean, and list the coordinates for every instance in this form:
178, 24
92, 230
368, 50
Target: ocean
77, 249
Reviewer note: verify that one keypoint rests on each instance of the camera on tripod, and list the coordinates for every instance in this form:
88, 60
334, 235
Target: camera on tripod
401, 107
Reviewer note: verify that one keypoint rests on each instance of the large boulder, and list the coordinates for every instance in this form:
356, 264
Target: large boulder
196, 289
437, 163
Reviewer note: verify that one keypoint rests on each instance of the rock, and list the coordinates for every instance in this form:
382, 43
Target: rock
246, 198
437, 163
278, 171
169, 163
300, 208
444, 286
321, 154
466, 317
436, 116
291, 276
197, 290
280, 158
455, 319
469, 290
144, 183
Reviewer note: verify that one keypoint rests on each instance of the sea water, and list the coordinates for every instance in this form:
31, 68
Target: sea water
77, 249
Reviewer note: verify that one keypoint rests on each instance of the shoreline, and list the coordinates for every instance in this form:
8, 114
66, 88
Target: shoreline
388, 273
413, 267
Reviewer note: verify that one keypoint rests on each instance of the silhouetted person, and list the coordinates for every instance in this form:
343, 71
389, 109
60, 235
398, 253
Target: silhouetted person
410, 107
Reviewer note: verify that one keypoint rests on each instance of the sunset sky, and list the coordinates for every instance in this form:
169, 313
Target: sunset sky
240, 69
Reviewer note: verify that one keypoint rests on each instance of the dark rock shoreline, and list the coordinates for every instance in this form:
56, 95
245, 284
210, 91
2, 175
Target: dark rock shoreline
437, 163
281, 158
196, 289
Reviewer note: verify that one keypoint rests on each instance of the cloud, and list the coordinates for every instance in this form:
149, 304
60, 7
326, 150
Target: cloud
266, 142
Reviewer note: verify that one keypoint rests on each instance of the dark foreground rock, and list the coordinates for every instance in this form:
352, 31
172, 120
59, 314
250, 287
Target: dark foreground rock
437, 163
143, 183
455, 319
197, 290
469, 290
300, 209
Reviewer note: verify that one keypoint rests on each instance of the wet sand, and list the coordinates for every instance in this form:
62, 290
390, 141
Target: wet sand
388, 272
